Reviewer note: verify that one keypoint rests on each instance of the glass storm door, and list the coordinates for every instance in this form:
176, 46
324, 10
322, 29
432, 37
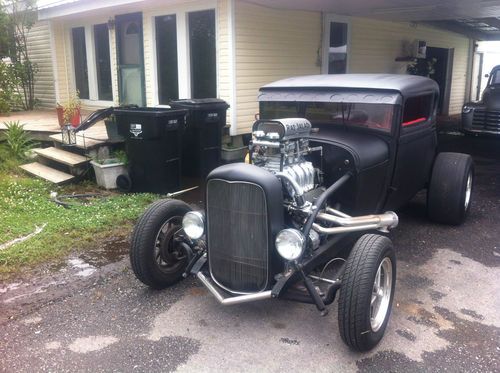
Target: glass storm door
130, 59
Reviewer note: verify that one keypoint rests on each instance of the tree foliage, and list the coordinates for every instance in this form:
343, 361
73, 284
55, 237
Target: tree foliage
17, 71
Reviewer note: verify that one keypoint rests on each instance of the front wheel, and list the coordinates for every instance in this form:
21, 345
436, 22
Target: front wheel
367, 292
157, 255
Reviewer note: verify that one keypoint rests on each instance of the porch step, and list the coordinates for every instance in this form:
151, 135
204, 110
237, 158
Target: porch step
62, 156
47, 173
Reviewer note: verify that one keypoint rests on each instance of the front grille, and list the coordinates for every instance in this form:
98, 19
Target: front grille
237, 235
486, 120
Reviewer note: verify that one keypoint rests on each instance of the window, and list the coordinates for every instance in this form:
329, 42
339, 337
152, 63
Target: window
80, 58
202, 52
373, 116
103, 65
417, 110
495, 78
91, 62
336, 45
166, 54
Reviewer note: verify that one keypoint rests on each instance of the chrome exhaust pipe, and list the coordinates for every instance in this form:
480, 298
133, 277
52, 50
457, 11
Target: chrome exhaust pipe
232, 300
382, 222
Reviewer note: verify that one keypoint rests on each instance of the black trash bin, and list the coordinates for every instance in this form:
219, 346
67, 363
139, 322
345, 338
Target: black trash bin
153, 139
201, 141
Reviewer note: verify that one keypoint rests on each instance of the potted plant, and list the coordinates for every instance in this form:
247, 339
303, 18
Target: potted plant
69, 112
108, 169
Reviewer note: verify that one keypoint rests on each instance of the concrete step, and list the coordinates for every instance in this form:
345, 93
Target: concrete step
62, 156
47, 173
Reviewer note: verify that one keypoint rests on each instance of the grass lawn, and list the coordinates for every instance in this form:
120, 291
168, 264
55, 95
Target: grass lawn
25, 204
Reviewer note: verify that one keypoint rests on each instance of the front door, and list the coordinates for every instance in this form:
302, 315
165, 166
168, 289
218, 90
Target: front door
130, 58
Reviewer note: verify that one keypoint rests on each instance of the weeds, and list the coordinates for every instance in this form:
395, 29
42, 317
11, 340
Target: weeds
17, 139
25, 204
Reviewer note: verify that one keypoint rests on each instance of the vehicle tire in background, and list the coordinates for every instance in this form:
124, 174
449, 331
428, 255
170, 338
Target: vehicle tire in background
367, 292
157, 259
450, 188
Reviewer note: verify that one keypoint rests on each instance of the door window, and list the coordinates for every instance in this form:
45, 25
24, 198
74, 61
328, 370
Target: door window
103, 64
202, 52
80, 65
91, 62
166, 54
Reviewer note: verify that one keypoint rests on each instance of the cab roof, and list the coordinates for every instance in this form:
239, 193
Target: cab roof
406, 85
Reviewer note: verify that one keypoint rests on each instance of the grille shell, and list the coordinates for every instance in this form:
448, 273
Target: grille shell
486, 120
238, 235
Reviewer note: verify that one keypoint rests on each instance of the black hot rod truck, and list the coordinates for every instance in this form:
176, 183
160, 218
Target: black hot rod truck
300, 221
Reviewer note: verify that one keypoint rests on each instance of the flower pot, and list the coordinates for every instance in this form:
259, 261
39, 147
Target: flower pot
229, 155
75, 118
107, 173
60, 115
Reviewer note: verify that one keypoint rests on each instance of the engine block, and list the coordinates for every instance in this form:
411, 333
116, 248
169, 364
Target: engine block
280, 146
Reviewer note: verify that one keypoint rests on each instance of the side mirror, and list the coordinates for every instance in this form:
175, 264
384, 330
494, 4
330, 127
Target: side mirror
486, 75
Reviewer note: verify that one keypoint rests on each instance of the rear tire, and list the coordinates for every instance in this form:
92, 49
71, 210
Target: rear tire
367, 292
157, 259
450, 188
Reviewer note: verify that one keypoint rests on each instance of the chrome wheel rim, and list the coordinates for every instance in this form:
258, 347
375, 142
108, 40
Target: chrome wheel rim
468, 190
381, 294
168, 253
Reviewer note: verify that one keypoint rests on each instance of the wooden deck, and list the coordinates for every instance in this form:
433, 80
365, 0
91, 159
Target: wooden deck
43, 125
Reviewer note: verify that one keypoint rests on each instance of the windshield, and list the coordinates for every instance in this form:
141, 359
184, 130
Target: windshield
374, 116
495, 78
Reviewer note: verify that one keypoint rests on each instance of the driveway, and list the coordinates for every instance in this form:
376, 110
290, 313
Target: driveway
91, 314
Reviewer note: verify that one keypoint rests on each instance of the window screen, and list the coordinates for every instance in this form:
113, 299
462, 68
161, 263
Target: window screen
103, 65
417, 110
202, 51
166, 54
80, 62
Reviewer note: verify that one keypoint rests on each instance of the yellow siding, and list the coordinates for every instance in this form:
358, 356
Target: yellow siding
224, 72
61, 73
271, 44
376, 44
40, 53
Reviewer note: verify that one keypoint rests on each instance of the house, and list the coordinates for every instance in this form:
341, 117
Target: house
149, 52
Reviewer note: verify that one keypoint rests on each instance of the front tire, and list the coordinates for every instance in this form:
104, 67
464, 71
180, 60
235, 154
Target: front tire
367, 292
157, 258
450, 188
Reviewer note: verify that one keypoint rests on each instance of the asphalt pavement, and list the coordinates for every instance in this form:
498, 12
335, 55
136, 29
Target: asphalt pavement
89, 313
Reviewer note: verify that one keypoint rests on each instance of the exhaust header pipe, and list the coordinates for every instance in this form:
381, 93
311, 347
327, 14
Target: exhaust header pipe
382, 222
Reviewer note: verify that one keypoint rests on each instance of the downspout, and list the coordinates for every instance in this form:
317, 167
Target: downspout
232, 65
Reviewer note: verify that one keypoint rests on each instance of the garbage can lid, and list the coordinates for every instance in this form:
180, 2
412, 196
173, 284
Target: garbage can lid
200, 103
151, 112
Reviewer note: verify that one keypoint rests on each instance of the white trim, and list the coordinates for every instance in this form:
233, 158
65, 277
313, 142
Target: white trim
79, 7
53, 56
91, 63
97, 103
232, 66
327, 19
183, 57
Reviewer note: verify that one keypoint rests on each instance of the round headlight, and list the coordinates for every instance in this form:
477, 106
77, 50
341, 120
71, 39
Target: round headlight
290, 243
193, 224
466, 109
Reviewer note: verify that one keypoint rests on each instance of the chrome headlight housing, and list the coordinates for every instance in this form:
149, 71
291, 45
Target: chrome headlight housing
290, 243
193, 224
467, 109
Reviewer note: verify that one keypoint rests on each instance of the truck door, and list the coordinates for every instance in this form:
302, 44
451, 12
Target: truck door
416, 147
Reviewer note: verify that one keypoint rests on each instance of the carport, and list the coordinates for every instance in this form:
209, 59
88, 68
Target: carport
473, 19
